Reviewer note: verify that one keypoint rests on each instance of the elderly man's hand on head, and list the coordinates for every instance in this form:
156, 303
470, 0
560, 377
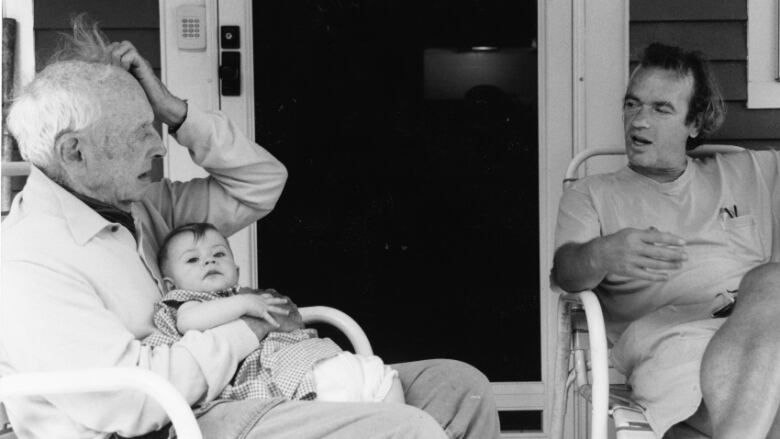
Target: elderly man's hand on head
167, 108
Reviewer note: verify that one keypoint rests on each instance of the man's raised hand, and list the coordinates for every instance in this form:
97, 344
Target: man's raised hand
167, 108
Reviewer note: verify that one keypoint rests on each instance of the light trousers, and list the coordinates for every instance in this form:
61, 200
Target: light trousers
444, 399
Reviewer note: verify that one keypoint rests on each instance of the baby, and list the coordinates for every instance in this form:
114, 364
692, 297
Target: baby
200, 277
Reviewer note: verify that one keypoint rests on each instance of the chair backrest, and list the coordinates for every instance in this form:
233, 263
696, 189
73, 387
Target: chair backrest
6, 432
580, 158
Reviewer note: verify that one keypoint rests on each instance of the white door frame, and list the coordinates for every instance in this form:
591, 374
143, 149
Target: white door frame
583, 70
185, 76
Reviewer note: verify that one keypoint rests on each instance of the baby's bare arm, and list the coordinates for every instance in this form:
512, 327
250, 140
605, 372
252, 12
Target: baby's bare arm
200, 316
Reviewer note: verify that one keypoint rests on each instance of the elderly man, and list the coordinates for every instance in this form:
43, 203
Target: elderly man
665, 242
79, 277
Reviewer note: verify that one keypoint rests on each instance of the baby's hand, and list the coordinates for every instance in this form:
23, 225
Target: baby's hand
262, 305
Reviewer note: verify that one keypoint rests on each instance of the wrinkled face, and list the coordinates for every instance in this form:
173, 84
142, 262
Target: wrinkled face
654, 112
205, 264
118, 149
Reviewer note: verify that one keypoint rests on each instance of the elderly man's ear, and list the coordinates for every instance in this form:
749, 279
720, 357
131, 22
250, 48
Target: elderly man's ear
68, 147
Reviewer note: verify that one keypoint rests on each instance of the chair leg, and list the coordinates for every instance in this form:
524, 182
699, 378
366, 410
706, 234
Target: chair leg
560, 390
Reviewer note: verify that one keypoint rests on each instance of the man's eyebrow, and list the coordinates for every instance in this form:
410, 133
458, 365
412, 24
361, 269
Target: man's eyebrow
654, 103
144, 127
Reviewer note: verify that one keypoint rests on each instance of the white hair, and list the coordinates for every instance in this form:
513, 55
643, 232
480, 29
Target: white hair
50, 106
63, 97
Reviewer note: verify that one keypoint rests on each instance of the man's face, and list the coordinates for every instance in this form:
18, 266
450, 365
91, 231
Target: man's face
118, 149
205, 264
654, 112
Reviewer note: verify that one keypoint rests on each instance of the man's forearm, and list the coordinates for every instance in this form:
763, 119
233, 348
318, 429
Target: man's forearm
576, 268
245, 179
259, 327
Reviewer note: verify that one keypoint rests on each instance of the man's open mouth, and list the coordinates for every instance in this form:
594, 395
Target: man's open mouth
638, 140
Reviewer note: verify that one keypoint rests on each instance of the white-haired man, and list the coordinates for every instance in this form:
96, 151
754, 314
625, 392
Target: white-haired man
79, 277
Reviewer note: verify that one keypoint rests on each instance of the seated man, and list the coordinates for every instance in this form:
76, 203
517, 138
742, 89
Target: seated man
665, 241
80, 277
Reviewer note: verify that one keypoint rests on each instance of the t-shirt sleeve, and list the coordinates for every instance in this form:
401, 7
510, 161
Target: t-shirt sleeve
577, 217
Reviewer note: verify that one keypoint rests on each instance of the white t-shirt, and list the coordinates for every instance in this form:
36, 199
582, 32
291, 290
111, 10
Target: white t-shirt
725, 208
720, 249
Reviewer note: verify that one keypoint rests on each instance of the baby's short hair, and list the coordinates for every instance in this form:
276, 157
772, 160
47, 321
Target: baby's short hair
197, 229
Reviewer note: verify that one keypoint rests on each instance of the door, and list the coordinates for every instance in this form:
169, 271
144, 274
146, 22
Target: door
410, 133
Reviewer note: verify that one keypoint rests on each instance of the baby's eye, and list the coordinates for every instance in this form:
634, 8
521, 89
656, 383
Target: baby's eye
219, 254
192, 260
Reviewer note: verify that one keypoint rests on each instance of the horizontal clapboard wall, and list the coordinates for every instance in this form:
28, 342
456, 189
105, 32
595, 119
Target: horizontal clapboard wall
137, 21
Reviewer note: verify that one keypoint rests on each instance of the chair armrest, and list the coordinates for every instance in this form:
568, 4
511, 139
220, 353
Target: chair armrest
107, 379
343, 322
122, 378
577, 160
597, 338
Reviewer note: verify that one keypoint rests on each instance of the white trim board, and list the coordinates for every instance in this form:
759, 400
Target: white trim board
763, 54
193, 75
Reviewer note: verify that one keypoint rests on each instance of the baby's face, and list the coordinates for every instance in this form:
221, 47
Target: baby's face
205, 264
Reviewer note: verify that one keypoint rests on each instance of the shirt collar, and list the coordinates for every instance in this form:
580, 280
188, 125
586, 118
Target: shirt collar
108, 212
671, 187
82, 221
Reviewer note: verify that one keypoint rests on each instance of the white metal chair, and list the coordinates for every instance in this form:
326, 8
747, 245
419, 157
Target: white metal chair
112, 379
582, 357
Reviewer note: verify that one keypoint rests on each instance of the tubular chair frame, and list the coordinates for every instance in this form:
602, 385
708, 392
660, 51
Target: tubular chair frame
581, 328
156, 387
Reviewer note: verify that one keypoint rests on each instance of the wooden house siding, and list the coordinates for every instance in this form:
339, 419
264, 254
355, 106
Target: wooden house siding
718, 28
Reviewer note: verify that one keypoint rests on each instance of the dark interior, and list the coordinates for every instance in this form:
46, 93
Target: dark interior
409, 129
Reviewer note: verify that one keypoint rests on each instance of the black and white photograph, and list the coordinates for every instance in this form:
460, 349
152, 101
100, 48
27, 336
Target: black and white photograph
375, 219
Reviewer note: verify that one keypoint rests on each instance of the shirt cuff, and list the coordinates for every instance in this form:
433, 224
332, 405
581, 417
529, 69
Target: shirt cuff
197, 125
173, 128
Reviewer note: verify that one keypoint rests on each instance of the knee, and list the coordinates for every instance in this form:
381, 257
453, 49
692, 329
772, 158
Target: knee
464, 375
761, 282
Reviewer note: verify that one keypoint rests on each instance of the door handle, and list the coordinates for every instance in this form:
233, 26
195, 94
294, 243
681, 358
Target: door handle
230, 73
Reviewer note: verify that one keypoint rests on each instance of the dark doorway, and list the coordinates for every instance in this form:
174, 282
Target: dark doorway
410, 132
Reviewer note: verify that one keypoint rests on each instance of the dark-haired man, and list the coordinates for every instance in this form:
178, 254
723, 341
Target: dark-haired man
665, 241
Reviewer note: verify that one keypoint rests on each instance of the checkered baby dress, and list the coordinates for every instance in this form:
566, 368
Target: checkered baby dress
278, 368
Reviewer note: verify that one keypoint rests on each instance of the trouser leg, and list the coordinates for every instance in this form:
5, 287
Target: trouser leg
318, 420
456, 394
